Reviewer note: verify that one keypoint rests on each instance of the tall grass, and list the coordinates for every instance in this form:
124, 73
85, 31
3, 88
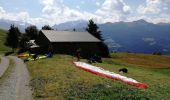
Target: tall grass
144, 60
3, 48
57, 78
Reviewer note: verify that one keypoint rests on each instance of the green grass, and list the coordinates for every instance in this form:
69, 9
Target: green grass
8, 71
3, 48
58, 79
143, 60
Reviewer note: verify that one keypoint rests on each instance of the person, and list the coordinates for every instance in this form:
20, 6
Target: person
78, 54
35, 56
50, 51
49, 55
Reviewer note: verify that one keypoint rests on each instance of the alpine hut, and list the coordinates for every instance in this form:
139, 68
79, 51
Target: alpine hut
67, 42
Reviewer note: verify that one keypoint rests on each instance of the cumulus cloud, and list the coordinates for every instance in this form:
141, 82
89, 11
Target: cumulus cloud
55, 12
22, 16
162, 18
110, 11
154, 7
98, 3
113, 10
154, 11
2, 12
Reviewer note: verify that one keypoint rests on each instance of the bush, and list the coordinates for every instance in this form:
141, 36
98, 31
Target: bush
157, 53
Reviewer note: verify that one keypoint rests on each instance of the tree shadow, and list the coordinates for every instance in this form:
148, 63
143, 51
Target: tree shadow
8, 53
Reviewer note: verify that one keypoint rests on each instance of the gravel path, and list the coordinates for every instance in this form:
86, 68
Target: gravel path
3, 65
16, 86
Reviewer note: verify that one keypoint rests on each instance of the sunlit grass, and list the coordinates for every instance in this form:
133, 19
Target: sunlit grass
3, 48
57, 78
8, 71
144, 60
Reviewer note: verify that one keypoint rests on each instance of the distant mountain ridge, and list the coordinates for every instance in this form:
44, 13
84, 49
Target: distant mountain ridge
79, 24
137, 36
5, 24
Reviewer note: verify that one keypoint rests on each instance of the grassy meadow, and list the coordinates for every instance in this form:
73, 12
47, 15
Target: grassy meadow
58, 79
3, 48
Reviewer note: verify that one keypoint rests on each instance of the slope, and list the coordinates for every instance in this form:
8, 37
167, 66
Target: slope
57, 78
3, 48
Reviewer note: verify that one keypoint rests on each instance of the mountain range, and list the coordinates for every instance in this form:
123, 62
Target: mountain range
138, 36
5, 24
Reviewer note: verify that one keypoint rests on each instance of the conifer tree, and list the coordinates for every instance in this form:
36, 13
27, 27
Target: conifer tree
47, 27
93, 29
12, 38
32, 32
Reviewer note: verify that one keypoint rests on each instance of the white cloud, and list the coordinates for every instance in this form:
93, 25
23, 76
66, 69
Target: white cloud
165, 18
78, 7
154, 11
23, 16
154, 6
98, 3
126, 9
2, 12
110, 11
47, 2
113, 10
55, 12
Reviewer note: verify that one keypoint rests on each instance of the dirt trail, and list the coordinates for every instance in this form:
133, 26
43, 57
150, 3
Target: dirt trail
3, 65
16, 86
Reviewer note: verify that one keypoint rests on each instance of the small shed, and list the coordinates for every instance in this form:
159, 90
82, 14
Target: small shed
67, 42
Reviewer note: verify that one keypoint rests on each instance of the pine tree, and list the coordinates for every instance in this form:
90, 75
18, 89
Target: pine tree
93, 29
23, 41
47, 27
12, 39
32, 32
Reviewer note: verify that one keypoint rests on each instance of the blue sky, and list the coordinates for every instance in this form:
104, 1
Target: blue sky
51, 12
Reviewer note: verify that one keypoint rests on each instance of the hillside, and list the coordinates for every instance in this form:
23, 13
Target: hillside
3, 48
142, 60
57, 78
138, 36
5, 24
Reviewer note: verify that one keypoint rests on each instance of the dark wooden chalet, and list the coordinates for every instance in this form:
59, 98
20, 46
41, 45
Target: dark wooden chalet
67, 42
